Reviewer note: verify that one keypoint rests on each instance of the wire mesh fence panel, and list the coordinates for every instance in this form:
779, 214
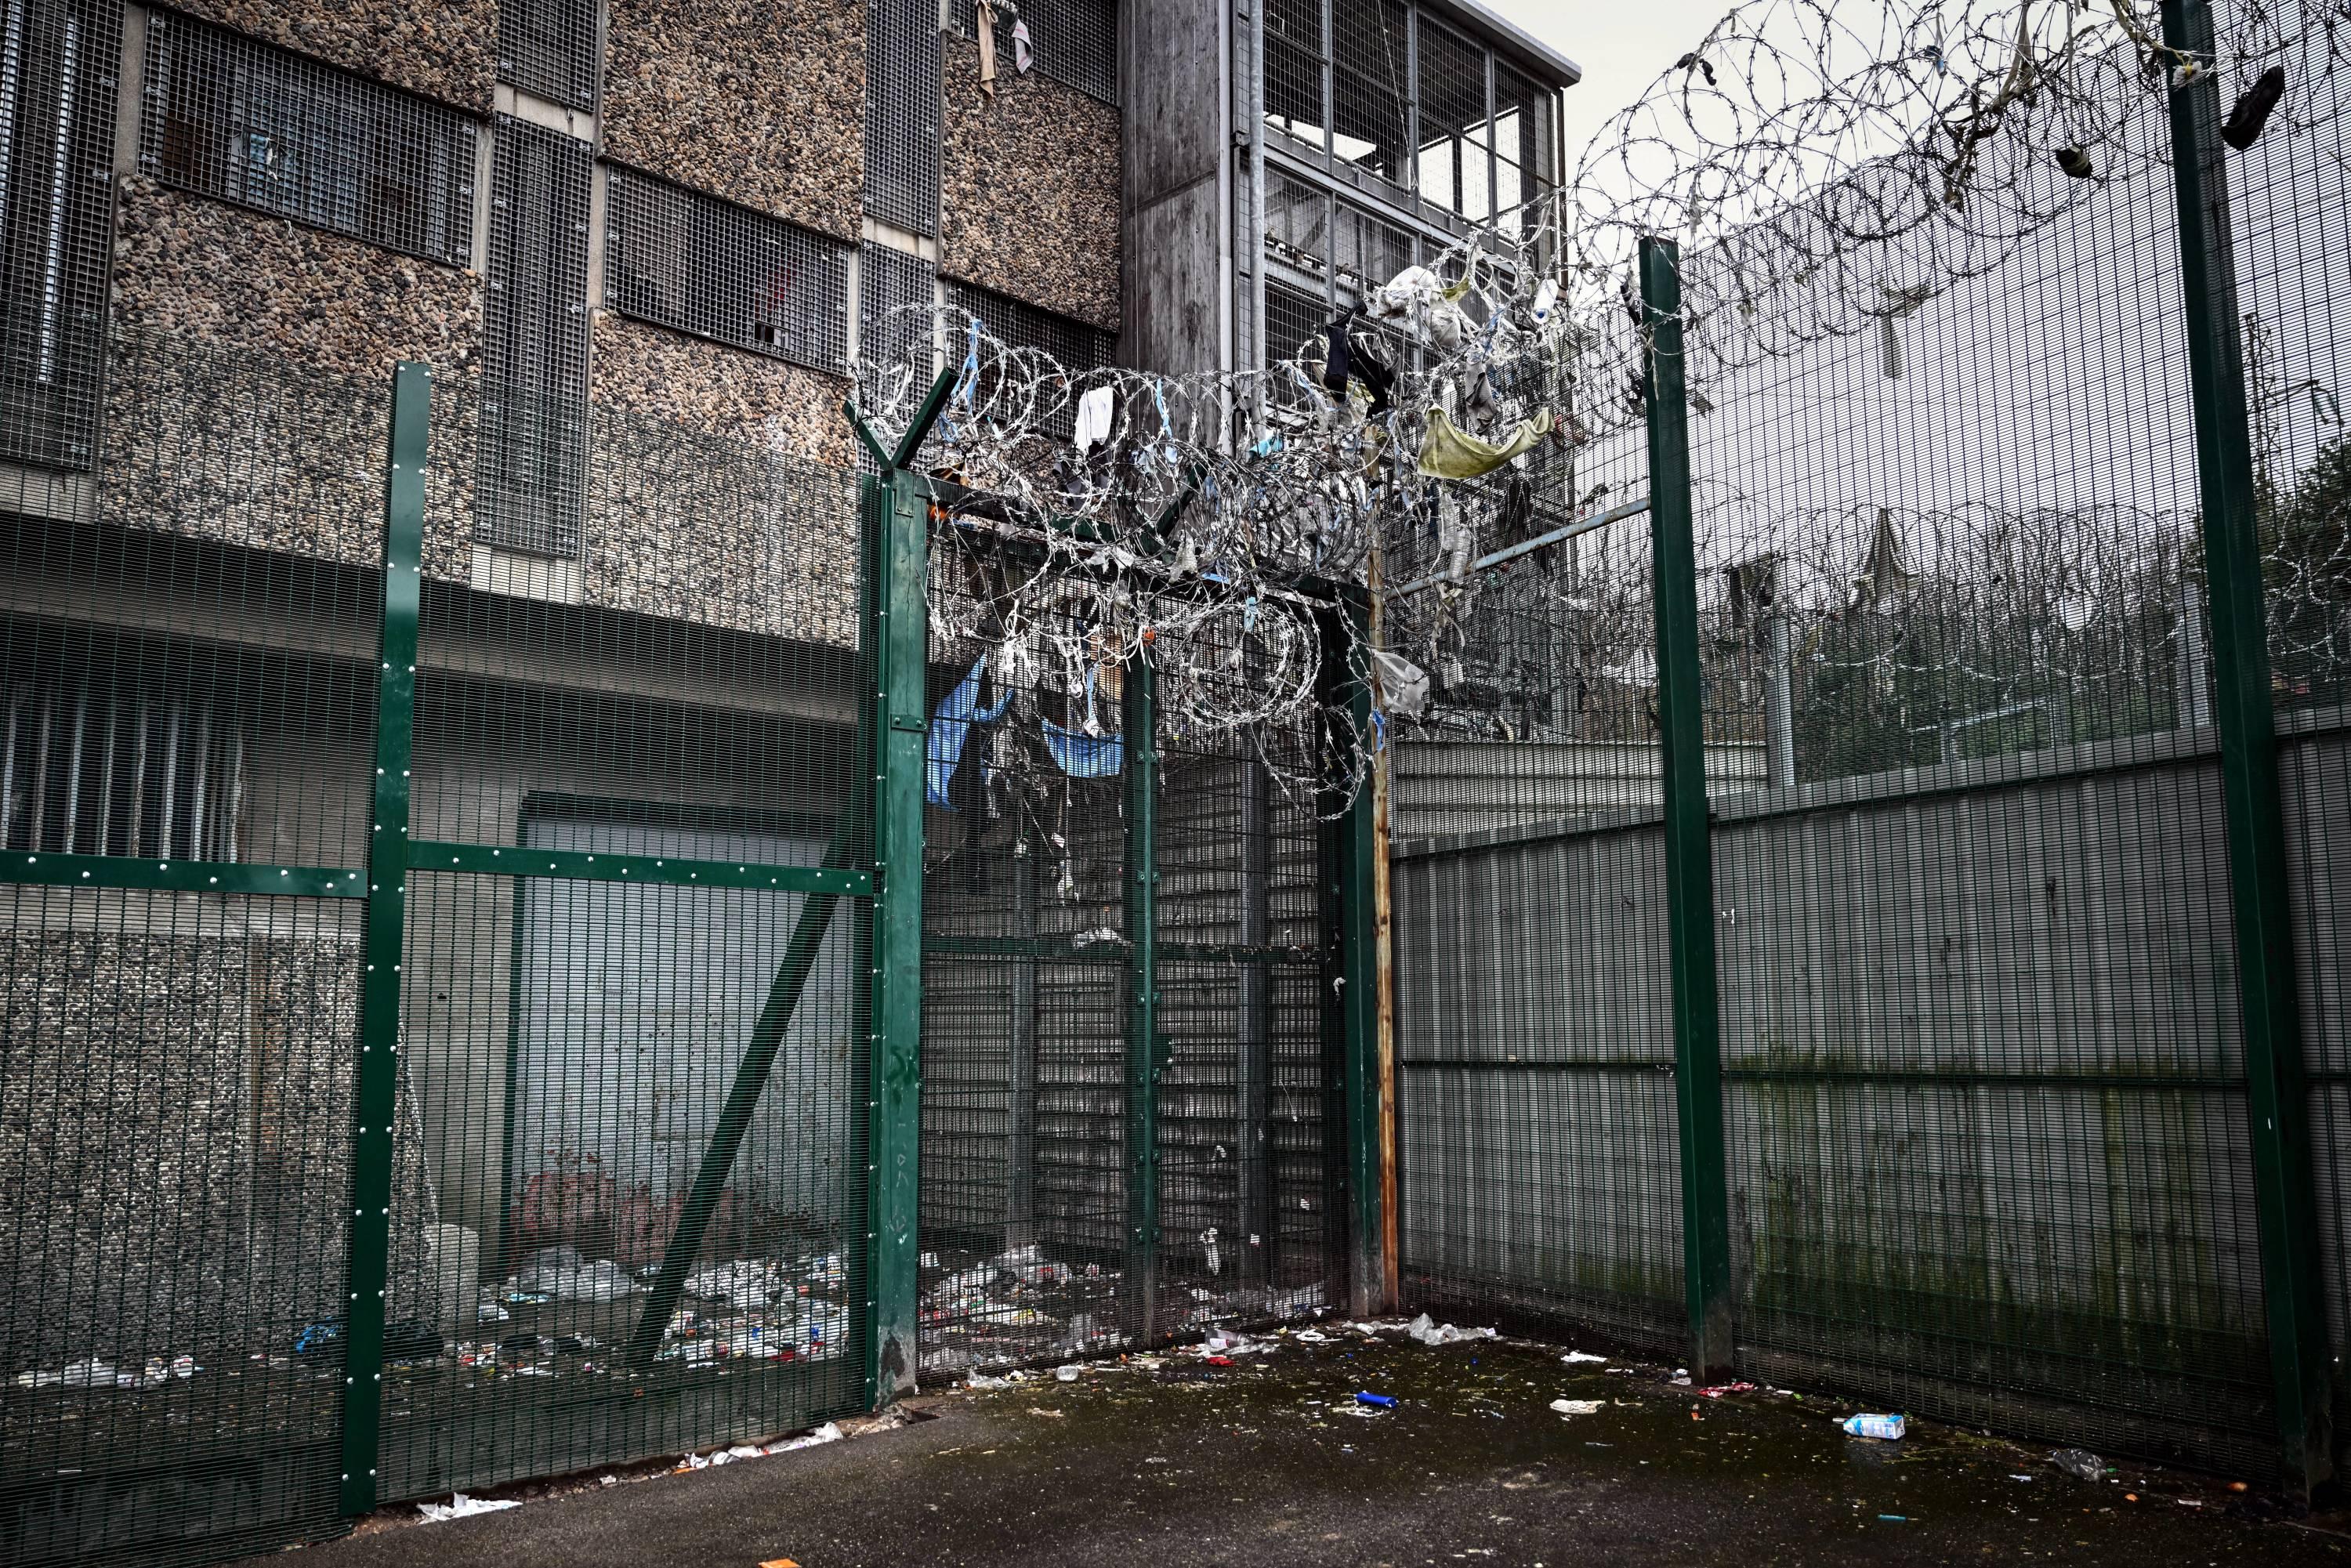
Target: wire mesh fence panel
2287, 193
631, 997
185, 707
1125, 1083
1988, 1142
1534, 1039
1025, 1050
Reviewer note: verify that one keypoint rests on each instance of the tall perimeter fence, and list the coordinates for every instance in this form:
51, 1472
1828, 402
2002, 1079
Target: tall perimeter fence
1865, 906
1875, 918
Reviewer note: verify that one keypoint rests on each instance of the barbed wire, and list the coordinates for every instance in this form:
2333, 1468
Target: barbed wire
1824, 168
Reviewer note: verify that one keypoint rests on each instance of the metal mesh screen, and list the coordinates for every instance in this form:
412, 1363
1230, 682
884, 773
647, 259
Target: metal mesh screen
1371, 89
1294, 100
1073, 42
1057, 898
228, 117
58, 68
532, 457
624, 1167
2287, 194
902, 113
897, 319
597, 955
683, 259
180, 685
1455, 152
1292, 318
550, 48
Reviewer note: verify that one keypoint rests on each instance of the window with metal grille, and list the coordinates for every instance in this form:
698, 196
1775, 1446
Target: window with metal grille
1455, 152
87, 768
682, 259
229, 117
1293, 71
895, 328
58, 65
1293, 321
902, 113
1368, 251
1371, 86
1522, 143
1073, 345
1073, 42
533, 454
1297, 222
550, 50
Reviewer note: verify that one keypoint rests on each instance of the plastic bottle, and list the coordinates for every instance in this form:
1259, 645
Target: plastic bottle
1889, 1428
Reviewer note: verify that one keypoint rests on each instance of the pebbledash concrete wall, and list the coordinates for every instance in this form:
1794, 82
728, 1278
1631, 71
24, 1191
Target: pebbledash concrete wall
177, 1131
1028, 190
200, 441
442, 49
719, 488
762, 104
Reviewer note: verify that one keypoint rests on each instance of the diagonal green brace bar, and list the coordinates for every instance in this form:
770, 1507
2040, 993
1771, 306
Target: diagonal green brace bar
2277, 1095
376, 1090
1690, 850
751, 1077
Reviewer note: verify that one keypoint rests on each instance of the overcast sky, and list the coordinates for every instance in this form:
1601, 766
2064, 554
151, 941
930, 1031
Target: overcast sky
1622, 45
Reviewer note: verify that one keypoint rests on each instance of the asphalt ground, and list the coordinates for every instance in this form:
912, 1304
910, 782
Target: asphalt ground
1173, 1460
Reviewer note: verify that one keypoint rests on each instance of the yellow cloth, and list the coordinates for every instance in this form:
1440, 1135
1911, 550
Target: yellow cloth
1450, 453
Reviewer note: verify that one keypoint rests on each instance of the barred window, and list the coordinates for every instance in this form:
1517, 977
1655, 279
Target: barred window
902, 113
88, 768
1293, 322
682, 259
549, 48
1370, 87
57, 64
1074, 42
1073, 345
1369, 250
229, 117
1455, 154
534, 440
894, 322
1018, 325
1293, 71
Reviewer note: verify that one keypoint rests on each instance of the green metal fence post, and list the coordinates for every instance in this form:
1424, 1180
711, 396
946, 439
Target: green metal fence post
2277, 1098
1689, 854
378, 1074
1145, 1061
898, 638
1351, 1011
